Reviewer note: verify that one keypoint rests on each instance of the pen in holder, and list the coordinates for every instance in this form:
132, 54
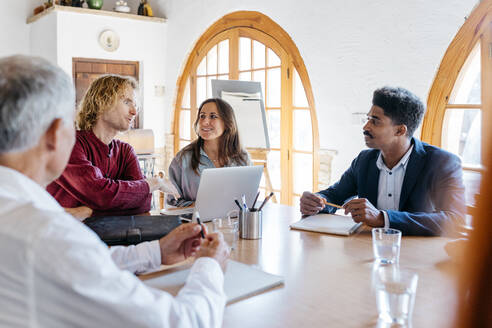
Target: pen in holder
250, 222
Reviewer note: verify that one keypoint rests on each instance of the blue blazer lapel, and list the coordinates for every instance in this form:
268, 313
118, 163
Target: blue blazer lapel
415, 164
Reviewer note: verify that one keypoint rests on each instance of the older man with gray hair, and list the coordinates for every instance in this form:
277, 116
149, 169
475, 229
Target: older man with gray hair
56, 272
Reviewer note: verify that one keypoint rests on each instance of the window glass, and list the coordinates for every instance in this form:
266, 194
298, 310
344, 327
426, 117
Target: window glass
244, 54
202, 67
224, 56
201, 90
273, 87
467, 87
185, 103
461, 134
302, 134
300, 99
258, 54
273, 59
212, 61
273, 116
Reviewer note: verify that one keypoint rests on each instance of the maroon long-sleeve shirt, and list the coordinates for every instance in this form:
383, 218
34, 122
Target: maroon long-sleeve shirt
106, 178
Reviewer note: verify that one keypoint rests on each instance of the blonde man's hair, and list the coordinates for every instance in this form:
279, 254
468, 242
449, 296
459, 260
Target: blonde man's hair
102, 95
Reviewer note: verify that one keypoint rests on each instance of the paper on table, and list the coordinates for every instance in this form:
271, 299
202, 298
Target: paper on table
328, 223
240, 281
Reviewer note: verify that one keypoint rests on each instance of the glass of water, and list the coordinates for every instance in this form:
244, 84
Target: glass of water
386, 245
395, 295
229, 227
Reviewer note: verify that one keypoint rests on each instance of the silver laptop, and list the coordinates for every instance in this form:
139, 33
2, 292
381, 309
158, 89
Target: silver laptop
219, 187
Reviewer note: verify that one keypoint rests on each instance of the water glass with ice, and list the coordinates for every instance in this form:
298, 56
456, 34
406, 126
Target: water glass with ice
395, 295
386, 245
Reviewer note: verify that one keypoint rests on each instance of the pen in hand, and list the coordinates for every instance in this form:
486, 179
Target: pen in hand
198, 220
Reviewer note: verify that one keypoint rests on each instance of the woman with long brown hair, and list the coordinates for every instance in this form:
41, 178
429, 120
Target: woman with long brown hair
217, 146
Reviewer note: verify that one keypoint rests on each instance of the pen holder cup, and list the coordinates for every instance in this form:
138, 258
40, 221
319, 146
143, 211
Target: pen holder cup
250, 223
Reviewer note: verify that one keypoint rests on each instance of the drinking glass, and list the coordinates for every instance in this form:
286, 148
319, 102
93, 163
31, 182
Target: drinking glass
395, 295
230, 229
386, 245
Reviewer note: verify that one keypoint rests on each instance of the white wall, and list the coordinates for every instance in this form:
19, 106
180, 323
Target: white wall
349, 47
14, 32
77, 36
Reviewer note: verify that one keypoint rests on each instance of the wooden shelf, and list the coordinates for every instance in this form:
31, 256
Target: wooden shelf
94, 12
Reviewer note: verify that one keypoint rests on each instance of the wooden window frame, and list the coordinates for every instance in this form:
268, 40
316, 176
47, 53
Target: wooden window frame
477, 26
239, 23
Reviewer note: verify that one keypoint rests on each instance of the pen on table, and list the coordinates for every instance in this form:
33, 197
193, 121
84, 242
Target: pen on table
265, 201
256, 198
238, 205
198, 220
331, 204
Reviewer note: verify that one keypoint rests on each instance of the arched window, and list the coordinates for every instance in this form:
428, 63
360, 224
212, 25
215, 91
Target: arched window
250, 46
459, 107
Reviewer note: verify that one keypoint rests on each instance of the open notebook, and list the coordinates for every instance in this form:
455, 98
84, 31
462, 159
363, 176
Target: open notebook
240, 281
328, 223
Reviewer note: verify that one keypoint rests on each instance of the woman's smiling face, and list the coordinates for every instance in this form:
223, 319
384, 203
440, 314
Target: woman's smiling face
210, 125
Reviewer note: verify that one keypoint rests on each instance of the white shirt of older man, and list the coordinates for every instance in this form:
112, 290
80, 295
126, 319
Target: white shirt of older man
55, 272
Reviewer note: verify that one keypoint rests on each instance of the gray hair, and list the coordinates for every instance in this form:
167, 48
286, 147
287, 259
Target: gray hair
33, 93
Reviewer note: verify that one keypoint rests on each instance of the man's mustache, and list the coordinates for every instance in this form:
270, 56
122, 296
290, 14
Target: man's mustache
368, 134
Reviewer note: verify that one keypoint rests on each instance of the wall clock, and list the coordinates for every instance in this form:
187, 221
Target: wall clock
109, 40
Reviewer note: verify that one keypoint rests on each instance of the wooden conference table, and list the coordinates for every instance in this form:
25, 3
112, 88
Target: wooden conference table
328, 278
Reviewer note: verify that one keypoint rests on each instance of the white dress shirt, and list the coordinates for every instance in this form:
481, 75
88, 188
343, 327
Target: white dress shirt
390, 183
56, 272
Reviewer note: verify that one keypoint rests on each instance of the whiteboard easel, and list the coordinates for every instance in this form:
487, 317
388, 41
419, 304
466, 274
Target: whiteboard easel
246, 99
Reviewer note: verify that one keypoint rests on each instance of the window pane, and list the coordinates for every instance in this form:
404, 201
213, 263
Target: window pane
183, 143
273, 163
258, 54
244, 54
273, 87
185, 103
202, 69
212, 61
245, 76
184, 124
273, 117
303, 136
472, 186
461, 134
209, 86
300, 99
259, 76
224, 56
224, 77
303, 172
201, 90
273, 59
467, 87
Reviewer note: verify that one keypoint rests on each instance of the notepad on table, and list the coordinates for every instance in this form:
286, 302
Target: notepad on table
240, 281
328, 223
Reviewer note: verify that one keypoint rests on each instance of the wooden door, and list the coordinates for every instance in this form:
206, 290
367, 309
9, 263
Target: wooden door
86, 70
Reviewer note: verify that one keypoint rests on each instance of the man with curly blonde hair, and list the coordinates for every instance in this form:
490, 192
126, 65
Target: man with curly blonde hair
103, 176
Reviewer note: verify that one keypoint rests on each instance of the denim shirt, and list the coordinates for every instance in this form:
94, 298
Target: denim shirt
185, 179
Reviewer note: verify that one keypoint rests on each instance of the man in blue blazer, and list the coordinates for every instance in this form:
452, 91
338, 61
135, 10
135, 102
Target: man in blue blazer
401, 182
